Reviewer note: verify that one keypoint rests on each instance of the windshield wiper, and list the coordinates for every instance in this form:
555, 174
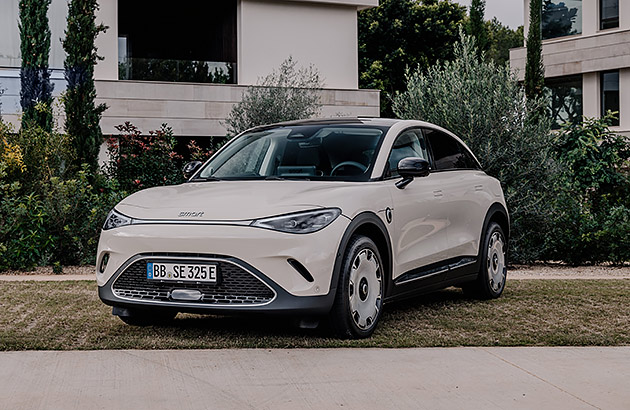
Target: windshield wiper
287, 178
206, 179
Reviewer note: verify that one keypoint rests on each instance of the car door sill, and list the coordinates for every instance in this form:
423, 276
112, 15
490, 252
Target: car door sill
433, 270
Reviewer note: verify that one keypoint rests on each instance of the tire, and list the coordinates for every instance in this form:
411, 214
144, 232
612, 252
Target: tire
148, 317
493, 267
359, 298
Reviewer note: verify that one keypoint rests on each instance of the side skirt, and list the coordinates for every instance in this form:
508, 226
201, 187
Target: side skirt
434, 277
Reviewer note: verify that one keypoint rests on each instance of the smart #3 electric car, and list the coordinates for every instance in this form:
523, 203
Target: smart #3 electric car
317, 218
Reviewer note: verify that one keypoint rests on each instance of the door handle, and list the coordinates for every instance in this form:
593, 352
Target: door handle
438, 193
478, 187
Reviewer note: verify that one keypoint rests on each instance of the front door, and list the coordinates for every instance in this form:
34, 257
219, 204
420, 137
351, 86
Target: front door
420, 222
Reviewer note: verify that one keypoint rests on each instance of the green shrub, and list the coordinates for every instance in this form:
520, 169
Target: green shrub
284, 95
592, 219
47, 214
139, 161
486, 106
42, 155
24, 240
76, 212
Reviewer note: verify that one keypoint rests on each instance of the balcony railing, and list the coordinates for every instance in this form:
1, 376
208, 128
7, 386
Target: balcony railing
152, 69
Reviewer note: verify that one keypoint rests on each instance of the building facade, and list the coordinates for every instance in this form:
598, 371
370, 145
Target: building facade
187, 63
586, 52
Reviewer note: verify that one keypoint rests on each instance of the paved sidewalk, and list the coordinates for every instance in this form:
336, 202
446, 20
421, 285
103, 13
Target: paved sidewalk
436, 378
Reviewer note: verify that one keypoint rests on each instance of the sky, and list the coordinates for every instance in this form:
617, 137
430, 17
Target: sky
509, 12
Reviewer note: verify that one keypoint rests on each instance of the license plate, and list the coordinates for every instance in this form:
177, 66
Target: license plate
185, 272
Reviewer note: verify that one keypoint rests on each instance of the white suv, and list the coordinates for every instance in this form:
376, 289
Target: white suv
310, 218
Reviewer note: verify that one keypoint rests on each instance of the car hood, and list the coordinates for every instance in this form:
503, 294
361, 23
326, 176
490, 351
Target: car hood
235, 200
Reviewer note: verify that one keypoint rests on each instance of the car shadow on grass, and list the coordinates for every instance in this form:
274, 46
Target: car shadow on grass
287, 327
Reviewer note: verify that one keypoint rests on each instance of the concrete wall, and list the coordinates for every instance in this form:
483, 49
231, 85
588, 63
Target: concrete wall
606, 50
322, 35
10, 34
200, 109
107, 42
190, 109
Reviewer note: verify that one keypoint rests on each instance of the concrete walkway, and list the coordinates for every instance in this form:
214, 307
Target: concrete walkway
436, 378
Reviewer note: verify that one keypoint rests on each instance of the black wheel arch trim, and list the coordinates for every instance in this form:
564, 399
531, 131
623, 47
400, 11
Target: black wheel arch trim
361, 220
494, 209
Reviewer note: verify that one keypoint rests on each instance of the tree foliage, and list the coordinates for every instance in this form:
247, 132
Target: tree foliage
534, 68
484, 104
289, 93
82, 114
500, 40
476, 25
36, 88
404, 33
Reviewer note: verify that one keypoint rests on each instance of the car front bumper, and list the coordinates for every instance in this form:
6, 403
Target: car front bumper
253, 261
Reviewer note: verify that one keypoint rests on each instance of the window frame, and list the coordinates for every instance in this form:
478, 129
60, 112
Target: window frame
602, 99
601, 17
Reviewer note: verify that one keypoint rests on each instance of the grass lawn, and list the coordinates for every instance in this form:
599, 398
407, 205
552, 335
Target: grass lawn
69, 315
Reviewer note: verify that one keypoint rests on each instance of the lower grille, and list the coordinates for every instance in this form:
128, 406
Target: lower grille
237, 286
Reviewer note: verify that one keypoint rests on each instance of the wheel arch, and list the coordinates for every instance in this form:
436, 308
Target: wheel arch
497, 213
370, 225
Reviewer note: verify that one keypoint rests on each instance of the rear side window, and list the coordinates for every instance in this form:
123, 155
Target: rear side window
448, 153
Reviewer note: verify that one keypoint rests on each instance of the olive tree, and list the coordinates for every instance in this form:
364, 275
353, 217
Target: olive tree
486, 106
289, 93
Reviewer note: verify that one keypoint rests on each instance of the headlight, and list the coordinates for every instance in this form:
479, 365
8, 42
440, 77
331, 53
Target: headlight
115, 220
302, 222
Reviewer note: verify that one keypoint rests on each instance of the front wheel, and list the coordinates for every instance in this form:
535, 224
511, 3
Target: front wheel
493, 273
359, 299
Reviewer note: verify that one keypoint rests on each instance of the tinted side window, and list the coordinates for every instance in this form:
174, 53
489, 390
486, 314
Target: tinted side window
408, 144
448, 153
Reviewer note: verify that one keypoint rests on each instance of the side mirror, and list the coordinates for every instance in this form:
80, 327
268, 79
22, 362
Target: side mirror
411, 167
190, 168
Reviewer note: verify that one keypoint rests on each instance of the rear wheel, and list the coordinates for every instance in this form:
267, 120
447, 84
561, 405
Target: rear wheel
135, 317
359, 299
493, 274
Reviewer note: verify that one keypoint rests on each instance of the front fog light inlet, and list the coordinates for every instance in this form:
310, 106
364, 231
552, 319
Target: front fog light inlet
103, 264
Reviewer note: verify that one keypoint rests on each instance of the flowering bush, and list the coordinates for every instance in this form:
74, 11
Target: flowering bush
138, 161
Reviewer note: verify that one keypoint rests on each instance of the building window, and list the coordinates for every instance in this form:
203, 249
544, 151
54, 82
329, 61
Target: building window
609, 84
565, 99
186, 42
561, 18
608, 14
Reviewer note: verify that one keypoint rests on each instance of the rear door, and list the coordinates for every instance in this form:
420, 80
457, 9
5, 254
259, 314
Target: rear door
465, 195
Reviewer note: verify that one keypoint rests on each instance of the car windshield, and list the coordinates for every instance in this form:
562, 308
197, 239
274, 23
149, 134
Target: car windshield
322, 152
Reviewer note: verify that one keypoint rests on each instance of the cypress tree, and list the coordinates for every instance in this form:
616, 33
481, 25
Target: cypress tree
534, 67
477, 26
82, 114
36, 88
